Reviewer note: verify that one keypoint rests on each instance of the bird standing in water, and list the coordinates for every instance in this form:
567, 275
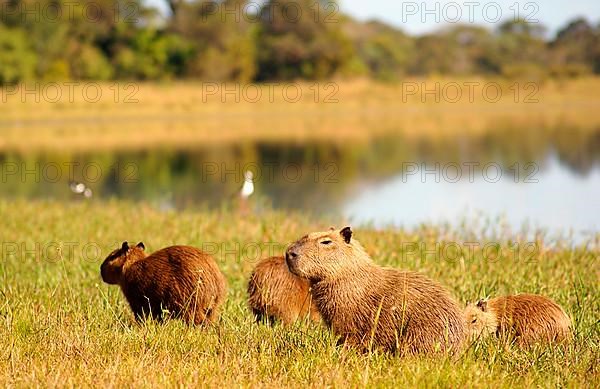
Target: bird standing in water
246, 192
79, 188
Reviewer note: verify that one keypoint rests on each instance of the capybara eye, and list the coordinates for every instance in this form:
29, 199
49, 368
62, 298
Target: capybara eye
326, 242
474, 321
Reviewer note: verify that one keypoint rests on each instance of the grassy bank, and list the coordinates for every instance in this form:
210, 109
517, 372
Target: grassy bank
89, 115
59, 325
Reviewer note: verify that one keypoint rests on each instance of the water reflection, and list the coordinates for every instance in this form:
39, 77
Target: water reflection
374, 181
554, 200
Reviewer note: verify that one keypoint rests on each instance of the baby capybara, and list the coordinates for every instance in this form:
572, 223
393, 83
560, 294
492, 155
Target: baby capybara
180, 280
368, 305
276, 294
524, 318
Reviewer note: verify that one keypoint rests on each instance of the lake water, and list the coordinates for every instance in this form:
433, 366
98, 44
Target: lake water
545, 179
556, 200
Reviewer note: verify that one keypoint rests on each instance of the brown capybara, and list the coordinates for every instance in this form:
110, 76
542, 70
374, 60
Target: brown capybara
372, 306
275, 294
524, 318
180, 280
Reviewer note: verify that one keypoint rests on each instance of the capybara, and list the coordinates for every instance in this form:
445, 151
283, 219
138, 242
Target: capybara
372, 306
180, 280
275, 294
524, 318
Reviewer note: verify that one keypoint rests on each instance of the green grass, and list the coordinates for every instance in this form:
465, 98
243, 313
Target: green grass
60, 325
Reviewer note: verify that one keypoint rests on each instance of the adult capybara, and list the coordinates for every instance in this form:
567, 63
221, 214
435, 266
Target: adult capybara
180, 281
373, 306
275, 294
524, 318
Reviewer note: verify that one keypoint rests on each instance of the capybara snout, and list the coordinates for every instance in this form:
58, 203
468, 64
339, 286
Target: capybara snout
291, 259
111, 269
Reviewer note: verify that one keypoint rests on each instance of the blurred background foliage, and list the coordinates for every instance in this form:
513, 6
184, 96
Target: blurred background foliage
234, 40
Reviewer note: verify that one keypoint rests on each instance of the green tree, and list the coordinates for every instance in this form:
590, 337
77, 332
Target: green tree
475, 50
522, 50
300, 39
223, 41
576, 49
152, 55
74, 38
434, 54
384, 50
17, 60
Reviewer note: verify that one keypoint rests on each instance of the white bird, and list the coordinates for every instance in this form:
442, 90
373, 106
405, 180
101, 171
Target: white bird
79, 188
247, 190
87, 193
248, 187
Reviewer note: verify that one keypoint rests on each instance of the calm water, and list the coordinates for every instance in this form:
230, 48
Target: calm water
558, 201
547, 179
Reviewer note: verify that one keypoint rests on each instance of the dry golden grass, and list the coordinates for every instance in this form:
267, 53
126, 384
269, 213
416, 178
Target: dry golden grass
187, 114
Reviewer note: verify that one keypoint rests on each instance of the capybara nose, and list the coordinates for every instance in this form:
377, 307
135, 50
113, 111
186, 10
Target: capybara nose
290, 257
291, 254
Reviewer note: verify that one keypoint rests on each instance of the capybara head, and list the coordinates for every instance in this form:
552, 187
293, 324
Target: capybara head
321, 255
112, 267
480, 320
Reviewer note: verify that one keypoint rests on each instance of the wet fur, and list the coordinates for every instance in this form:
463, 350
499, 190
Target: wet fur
371, 306
275, 294
180, 279
525, 318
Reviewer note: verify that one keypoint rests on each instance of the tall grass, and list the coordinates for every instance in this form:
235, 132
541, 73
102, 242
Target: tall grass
188, 114
61, 326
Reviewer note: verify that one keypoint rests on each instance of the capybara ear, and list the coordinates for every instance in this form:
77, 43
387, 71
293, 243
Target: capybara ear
331, 228
347, 234
141, 246
482, 304
125, 246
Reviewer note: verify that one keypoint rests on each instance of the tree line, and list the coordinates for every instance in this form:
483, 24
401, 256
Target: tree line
236, 40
